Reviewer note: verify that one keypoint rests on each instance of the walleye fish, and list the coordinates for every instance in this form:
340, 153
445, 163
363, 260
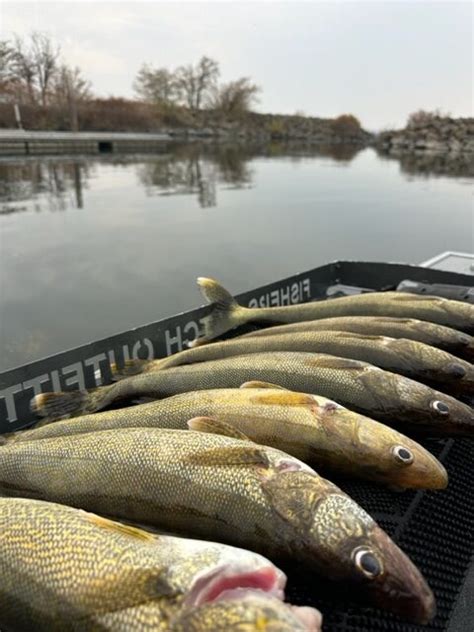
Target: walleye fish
62, 568
216, 487
248, 611
410, 358
451, 340
227, 313
311, 428
387, 397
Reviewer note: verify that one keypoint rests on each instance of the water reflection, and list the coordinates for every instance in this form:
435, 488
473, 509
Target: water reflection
198, 169
428, 164
57, 184
298, 151
36, 184
134, 237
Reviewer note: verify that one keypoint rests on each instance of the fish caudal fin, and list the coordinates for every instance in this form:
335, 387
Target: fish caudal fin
226, 313
63, 405
131, 367
60, 405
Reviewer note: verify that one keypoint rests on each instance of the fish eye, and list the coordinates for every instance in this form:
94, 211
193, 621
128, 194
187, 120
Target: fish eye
366, 562
404, 455
440, 407
456, 370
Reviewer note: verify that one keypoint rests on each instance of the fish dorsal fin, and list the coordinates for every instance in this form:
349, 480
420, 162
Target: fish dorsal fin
215, 426
226, 456
258, 384
122, 529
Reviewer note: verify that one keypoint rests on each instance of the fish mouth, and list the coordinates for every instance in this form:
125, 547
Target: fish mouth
402, 589
221, 583
461, 419
426, 472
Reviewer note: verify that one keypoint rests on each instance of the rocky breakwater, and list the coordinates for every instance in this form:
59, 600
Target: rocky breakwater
436, 134
431, 145
344, 130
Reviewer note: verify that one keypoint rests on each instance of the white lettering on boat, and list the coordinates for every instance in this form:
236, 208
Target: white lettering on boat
180, 337
70, 376
296, 292
176, 339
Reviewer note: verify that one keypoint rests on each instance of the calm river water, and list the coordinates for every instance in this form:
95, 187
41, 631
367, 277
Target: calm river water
92, 246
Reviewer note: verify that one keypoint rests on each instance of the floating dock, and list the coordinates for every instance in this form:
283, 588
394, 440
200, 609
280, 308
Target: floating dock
26, 143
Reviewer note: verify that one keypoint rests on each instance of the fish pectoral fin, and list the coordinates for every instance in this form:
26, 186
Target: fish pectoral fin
123, 529
215, 426
258, 384
230, 456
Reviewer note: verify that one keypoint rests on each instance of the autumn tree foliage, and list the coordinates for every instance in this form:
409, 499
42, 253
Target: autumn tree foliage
346, 125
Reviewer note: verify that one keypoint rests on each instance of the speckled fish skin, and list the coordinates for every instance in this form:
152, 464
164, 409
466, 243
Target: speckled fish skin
406, 357
309, 427
62, 568
249, 612
451, 340
387, 397
227, 313
216, 487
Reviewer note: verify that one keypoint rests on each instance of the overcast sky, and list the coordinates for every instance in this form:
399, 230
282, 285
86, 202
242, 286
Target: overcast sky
379, 60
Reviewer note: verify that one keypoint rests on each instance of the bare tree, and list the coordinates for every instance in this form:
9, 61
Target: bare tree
68, 89
5, 66
45, 57
234, 98
32, 65
196, 82
423, 118
207, 72
156, 85
69, 83
23, 68
186, 85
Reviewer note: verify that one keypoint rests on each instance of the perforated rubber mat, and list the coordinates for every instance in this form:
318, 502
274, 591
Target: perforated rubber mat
435, 529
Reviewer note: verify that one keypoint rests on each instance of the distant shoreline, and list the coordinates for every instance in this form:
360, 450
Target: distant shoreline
437, 136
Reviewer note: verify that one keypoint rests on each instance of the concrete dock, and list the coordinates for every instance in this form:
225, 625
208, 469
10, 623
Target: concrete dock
26, 143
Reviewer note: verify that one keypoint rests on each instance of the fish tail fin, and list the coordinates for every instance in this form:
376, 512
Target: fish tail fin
226, 312
130, 367
63, 405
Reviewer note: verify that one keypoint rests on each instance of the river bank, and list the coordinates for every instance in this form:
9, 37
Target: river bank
134, 117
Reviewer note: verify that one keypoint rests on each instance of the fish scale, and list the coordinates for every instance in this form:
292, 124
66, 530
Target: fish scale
160, 466
406, 357
309, 427
280, 368
62, 568
217, 487
440, 336
227, 314
368, 390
